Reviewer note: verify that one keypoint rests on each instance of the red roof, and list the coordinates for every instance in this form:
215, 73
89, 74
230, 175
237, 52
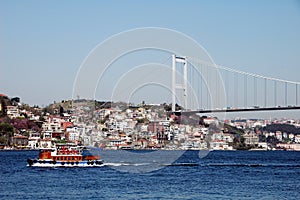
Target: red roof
67, 125
3, 95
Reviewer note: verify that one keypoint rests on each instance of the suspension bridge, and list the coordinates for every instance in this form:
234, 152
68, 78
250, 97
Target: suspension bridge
205, 87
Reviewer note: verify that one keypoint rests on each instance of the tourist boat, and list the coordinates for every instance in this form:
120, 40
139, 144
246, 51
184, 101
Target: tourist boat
65, 155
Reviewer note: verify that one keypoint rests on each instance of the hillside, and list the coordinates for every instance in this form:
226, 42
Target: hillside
288, 128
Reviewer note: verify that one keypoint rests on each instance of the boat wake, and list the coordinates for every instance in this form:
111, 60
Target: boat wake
249, 165
192, 164
148, 164
124, 164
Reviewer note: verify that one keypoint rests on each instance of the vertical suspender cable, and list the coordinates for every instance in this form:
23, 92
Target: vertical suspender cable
245, 91
207, 87
227, 87
296, 94
286, 94
265, 92
236, 88
217, 88
275, 93
255, 92
201, 85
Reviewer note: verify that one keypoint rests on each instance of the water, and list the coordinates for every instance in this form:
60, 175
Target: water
219, 175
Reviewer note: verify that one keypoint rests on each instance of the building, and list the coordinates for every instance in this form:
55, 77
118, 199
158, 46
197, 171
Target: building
19, 141
54, 124
33, 140
294, 147
278, 135
263, 145
210, 120
251, 138
72, 136
12, 112
47, 134
297, 138
141, 143
155, 127
45, 143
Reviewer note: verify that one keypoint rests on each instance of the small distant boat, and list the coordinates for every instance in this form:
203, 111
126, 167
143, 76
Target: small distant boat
65, 155
126, 148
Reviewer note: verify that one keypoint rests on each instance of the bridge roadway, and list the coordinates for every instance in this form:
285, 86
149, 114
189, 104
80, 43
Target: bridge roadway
237, 110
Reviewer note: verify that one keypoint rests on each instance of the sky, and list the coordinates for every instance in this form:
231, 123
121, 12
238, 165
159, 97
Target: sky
44, 43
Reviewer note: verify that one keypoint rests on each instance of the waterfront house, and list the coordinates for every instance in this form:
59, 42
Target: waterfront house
263, 145
141, 143
45, 143
33, 140
19, 141
278, 135
294, 147
297, 138
251, 138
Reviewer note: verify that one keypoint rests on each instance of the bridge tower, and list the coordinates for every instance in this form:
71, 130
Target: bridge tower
175, 85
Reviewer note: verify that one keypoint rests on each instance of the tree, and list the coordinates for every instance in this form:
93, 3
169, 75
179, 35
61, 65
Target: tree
6, 128
140, 121
61, 111
167, 107
20, 124
262, 138
6, 131
42, 119
272, 140
105, 129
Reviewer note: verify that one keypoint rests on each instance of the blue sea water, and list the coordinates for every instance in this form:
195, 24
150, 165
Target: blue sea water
219, 175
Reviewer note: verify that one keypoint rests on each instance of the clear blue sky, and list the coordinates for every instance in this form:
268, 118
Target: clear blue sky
43, 43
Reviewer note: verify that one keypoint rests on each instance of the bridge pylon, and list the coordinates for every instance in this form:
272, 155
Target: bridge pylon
175, 85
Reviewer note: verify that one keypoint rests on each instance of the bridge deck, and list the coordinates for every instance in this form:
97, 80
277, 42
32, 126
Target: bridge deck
241, 110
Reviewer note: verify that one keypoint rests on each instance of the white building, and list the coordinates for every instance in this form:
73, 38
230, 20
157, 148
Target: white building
12, 111
251, 138
47, 134
54, 124
73, 135
45, 143
297, 138
263, 145
33, 140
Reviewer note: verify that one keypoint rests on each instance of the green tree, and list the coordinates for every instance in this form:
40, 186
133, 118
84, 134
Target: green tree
6, 128
6, 131
140, 121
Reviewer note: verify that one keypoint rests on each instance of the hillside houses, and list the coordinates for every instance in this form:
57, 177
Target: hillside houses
139, 127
